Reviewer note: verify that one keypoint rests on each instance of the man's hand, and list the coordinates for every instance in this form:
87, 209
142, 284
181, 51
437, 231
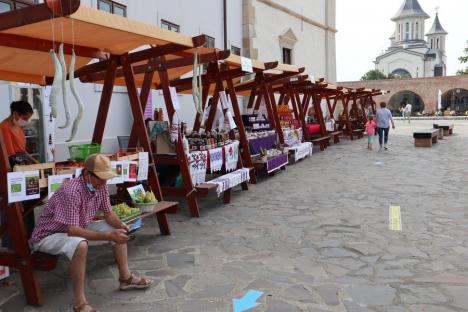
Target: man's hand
119, 236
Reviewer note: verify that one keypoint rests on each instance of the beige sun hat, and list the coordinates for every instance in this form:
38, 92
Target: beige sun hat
99, 165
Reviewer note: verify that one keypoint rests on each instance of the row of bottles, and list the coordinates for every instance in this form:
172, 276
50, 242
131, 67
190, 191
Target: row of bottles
203, 140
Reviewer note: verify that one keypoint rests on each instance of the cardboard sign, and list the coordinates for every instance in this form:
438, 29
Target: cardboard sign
23, 186
55, 182
117, 168
246, 64
143, 163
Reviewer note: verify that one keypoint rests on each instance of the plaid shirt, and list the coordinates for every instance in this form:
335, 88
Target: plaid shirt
72, 204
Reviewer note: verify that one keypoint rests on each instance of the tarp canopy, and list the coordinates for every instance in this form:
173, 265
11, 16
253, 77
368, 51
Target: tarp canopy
87, 27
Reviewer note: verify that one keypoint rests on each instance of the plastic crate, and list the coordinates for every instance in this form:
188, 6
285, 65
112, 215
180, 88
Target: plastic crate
81, 151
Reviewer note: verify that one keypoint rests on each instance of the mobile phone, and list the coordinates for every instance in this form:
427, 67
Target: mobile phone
135, 226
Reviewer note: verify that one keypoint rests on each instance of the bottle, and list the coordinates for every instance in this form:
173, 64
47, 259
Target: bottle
185, 144
155, 115
160, 115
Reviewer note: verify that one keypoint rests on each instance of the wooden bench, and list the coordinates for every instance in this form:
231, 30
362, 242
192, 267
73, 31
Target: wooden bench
446, 128
425, 138
336, 136
323, 141
359, 133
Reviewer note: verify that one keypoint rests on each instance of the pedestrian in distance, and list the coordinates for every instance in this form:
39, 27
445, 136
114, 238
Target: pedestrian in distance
370, 129
384, 118
407, 112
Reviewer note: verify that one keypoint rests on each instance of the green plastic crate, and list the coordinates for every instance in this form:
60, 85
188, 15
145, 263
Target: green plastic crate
81, 151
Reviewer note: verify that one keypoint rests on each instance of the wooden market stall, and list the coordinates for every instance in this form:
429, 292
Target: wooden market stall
119, 52
260, 92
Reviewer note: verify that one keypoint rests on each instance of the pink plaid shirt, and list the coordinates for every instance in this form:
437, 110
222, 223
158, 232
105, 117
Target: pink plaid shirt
72, 204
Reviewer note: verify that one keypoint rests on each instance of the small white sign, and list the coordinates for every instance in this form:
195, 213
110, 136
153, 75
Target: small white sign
55, 182
117, 167
246, 64
174, 98
78, 172
224, 100
232, 124
143, 163
23, 186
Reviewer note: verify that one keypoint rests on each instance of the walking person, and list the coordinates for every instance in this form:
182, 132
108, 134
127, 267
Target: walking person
407, 110
384, 117
370, 129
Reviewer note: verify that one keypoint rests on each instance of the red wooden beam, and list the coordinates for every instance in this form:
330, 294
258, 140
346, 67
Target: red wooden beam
38, 13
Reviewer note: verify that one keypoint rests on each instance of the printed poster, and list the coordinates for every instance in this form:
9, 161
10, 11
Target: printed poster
143, 163
23, 186
130, 170
117, 168
55, 182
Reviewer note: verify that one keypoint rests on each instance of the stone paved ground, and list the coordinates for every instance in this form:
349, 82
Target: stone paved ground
313, 238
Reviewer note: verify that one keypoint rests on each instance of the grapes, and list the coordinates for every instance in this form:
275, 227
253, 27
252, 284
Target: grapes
123, 211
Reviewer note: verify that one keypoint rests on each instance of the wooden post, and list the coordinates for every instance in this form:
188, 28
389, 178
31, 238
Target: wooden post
104, 104
15, 227
145, 93
143, 136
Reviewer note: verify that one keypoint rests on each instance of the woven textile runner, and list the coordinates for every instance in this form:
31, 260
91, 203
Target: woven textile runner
277, 162
231, 156
230, 180
197, 163
301, 151
216, 159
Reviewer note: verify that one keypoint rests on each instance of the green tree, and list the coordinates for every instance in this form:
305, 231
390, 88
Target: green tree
375, 74
463, 60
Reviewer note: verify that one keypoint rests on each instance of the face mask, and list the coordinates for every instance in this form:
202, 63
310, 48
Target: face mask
20, 122
90, 187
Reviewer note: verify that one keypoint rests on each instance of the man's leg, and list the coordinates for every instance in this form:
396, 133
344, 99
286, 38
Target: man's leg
77, 273
121, 258
385, 130
379, 131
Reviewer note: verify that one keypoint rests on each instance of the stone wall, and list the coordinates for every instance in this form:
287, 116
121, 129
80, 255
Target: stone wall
426, 88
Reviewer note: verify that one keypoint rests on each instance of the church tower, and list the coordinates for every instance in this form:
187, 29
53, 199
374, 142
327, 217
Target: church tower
409, 54
409, 24
436, 39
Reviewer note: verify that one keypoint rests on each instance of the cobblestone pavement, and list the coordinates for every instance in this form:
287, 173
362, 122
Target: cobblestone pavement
312, 238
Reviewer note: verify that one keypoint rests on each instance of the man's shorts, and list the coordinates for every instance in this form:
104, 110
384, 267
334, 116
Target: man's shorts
62, 244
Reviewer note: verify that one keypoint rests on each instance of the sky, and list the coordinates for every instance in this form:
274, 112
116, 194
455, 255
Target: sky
364, 27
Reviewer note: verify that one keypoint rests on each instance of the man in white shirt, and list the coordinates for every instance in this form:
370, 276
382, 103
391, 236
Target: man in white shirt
408, 109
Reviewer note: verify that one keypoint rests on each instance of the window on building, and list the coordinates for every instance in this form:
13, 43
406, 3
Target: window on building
407, 31
235, 50
287, 56
438, 71
170, 26
432, 43
210, 42
417, 30
9, 5
112, 7
438, 45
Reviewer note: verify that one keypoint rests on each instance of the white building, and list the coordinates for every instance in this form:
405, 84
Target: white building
409, 54
298, 32
305, 29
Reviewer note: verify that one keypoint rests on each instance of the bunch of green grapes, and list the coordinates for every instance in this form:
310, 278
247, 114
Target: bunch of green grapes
123, 210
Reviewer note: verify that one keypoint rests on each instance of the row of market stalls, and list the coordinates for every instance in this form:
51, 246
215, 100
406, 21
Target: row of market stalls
227, 146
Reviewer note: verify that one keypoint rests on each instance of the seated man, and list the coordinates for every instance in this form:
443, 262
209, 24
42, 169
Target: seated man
65, 227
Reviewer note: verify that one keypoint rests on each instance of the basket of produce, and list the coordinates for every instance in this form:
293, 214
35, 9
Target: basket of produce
142, 199
81, 151
125, 212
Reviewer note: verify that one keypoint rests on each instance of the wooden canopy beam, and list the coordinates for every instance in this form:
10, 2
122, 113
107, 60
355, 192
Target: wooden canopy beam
38, 13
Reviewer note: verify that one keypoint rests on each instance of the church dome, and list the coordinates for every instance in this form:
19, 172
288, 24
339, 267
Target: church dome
410, 8
436, 27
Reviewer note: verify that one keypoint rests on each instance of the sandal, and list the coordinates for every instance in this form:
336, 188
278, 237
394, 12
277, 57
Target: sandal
84, 307
134, 282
